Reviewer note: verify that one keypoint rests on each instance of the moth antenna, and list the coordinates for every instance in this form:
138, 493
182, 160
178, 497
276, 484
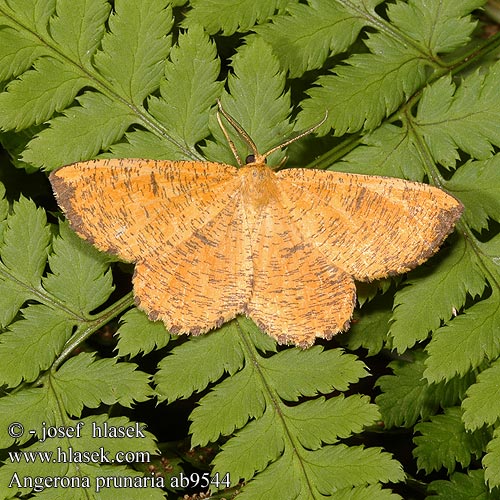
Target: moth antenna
229, 140
296, 137
241, 131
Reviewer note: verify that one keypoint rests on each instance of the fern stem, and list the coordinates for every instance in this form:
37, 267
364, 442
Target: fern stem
477, 53
274, 399
87, 328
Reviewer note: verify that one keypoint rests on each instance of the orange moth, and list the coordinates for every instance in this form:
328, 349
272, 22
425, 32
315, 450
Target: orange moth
211, 241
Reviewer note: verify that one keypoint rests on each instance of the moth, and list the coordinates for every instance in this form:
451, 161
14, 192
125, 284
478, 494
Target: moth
211, 241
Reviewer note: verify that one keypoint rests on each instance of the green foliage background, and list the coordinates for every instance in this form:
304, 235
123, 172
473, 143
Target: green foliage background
411, 89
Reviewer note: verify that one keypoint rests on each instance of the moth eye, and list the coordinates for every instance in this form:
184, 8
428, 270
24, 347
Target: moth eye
250, 159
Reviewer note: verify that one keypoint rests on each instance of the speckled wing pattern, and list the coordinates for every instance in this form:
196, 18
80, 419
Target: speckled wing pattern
211, 241
298, 294
369, 226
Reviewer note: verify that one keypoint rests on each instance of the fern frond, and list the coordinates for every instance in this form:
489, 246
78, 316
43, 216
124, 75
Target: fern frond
406, 395
461, 487
191, 76
371, 86
138, 334
31, 407
477, 183
83, 381
371, 331
463, 118
38, 337
389, 150
122, 66
444, 442
229, 16
206, 358
21, 270
466, 342
372, 492
258, 388
428, 298
79, 281
491, 460
482, 406
311, 32
141, 26
64, 136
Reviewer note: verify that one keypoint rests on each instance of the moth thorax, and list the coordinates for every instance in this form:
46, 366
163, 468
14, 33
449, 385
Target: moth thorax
258, 185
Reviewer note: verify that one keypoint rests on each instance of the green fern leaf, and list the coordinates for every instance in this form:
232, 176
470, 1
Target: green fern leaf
312, 422
189, 88
256, 391
35, 14
17, 52
26, 242
229, 16
371, 330
466, 342
477, 184
83, 381
371, 492
491, 249
37, 339
73, 136
141, 26
491, 461
442, 26
257, 100
482, 406
340, 466
78, 28
125, 71
282, 479
212, 419
389, 150
80, 274
204, 358
310, 33
371, 86
138, 334
31, 407
252, 448
32, 99
53, 84
406, 395
430, 297
23, 250
444, 442
462, 487
227, 407
144, 144
138, 440
316, 371
345, 467
465, 118
319, 421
